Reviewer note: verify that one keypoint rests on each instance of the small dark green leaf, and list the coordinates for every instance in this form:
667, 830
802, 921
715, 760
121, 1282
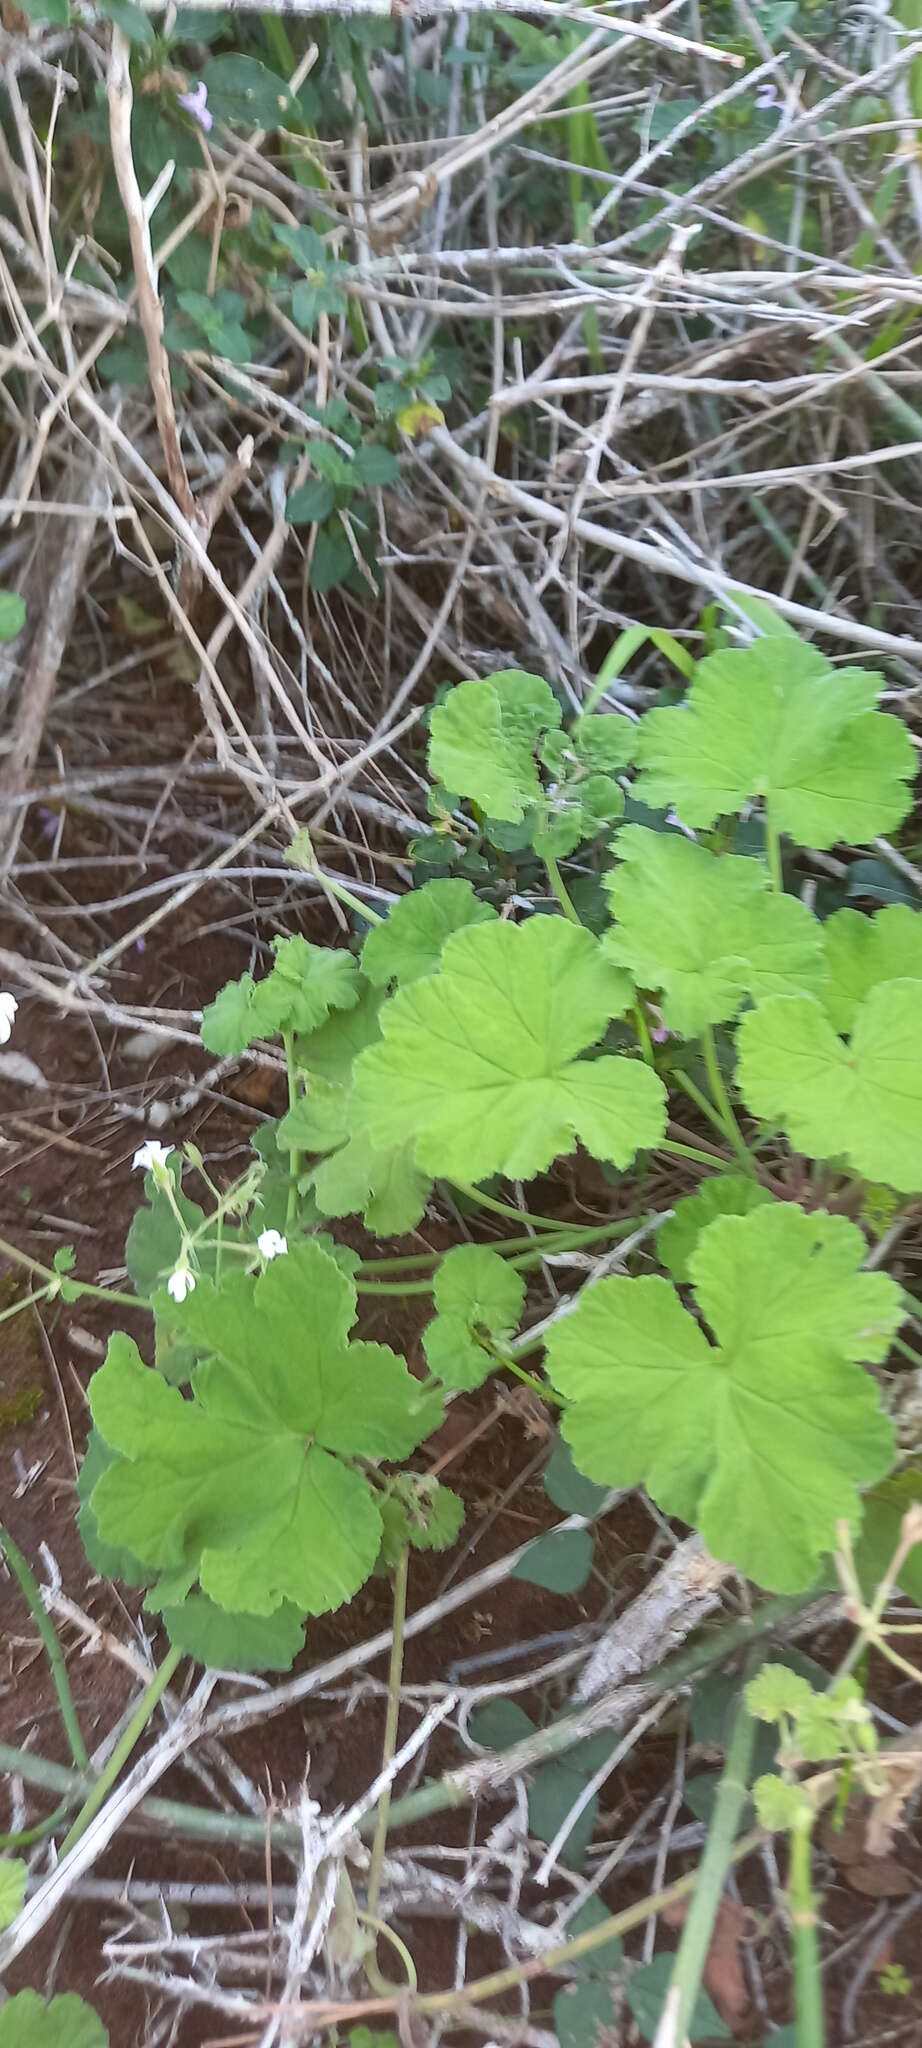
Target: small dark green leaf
554, 1792
567, 1488
499, 1724
12, 614
581, 2012
646, 1991
311, 502
374, 465
560, 1562
608, 1956
133, 22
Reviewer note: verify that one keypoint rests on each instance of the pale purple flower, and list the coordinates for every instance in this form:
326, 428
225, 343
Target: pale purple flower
659, 1032
196, 104
8, 1009
767, 95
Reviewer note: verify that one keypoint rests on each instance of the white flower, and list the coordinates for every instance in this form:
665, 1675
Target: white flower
8, 1009
271, 1244
181, 1283
151, 1155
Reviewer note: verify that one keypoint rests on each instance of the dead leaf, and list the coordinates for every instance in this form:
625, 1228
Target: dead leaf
881, 1877
722, 1975
886, 1815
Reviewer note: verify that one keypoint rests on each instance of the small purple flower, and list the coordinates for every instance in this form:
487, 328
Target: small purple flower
767, 95
196, 104
659, 1032
49, 820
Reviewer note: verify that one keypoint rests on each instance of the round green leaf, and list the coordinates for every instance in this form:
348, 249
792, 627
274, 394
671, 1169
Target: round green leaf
27, 2022
862, 951
762, 1438
482, 739
478, 1068
411, 941
776, 720
726, 1194
707, 931
861, 1101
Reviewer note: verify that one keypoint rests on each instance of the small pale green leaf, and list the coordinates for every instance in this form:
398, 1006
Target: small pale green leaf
584, 2015
245, 92
775, 720
707, 931
726, 1194
353, 1175
475, 1292
778, 1690
420, 1513
12, 613
411, 941
861, 1101
861, 951
305, 985
478, 1063
762, 1438
559, 1562
781, 1805
67, 2022
482, 740
13, 1876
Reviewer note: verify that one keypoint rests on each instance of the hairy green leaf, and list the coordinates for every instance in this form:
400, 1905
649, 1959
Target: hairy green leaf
13, 1875
475, 1291
419, 1513
247, 1480
775, 720
306, 983
862, 951
482, 740
67, 2022
861, 1101
352, 1174
411, 941
706, 931
727, 1194
477, 1064
761, 1438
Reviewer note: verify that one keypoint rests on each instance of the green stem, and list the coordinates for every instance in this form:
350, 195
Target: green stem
697, 1095
559, 887
389, 1751
722, 1100
712, 1159
731, 1797
773, 852
499, 1208
86, 1287
644, 1040
25, 1301
808, 1983
25, 1578
123, 1748
294, 1157
454, 1789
